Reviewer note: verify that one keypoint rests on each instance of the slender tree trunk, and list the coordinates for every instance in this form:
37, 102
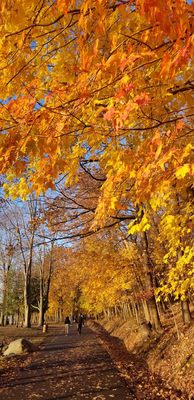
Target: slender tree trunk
41, 311
186, 315
116, 311
125, 312
135, 312
27, 287
27, 262
48, 282
61, 314
18, 317
4, 303
27, 311
146, 310
129, 310
1, 318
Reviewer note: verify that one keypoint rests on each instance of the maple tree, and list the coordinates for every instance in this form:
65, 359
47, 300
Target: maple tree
109, 277
92, 277
22, 223
104, 87
108, 280
44, 265
25, 264
64, 284
7, 272
51, 51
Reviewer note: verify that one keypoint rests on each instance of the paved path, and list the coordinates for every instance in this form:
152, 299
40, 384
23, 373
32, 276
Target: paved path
67, 367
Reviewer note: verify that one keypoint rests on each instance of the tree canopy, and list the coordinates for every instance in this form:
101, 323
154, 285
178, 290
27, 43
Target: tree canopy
105, 82
102, 89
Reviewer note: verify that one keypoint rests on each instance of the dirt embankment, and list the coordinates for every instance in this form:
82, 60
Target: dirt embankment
169, 354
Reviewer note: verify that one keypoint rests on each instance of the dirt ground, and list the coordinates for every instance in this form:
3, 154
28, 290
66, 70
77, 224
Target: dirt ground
65, 367
91, 366
169, 354
133, 367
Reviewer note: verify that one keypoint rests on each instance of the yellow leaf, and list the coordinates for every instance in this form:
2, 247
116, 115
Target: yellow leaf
159, 149
182, 171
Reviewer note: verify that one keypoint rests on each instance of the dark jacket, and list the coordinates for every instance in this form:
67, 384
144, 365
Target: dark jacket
67, 320
80, 320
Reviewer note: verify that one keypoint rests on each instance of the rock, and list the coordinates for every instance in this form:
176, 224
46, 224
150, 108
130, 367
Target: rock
19, 346
4, 348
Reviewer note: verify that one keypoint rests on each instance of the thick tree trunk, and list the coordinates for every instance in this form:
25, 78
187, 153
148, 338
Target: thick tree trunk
186, 315
151, 302
47, 290
155, 318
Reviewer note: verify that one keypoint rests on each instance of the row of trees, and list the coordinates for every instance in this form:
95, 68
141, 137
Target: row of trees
123, 265
97, 106
25, 265
120, 268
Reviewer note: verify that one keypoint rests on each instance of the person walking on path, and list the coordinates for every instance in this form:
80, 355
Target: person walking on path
67, 323
80, 324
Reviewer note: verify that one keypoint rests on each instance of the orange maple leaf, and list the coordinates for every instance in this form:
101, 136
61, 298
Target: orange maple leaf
142, 99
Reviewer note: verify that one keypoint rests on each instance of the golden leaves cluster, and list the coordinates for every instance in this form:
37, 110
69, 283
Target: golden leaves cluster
98, 78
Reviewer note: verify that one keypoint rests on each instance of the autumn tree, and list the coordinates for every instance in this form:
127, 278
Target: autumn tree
7, 253
175, 236
65, 283
44, 263
106, 87
22, 222
96, 277
126, 58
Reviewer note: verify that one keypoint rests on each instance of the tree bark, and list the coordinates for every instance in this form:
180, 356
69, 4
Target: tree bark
27, 263
1, 319
129, 310
27, 283
27, 311
135, 312
146, 310
41, 311
48, 283
186, 315
151, 301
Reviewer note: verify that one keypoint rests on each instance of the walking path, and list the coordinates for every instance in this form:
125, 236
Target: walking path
67, 367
